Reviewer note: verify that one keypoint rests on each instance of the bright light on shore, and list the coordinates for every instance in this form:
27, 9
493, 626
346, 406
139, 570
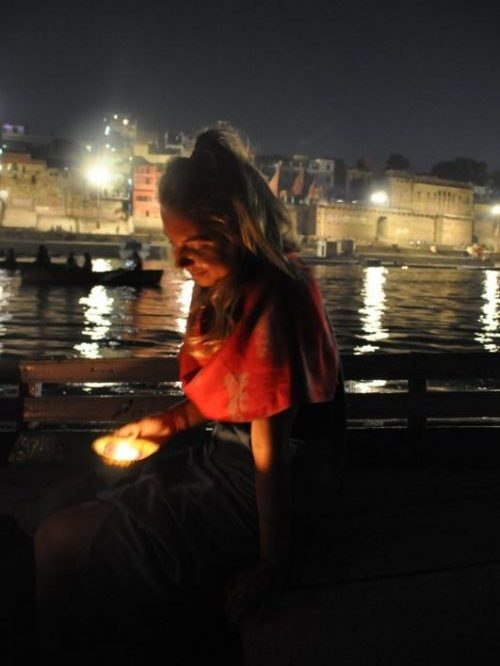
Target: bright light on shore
98, 175
380, 197
495, 210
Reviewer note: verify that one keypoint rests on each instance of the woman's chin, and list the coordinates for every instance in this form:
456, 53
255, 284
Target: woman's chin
202, 280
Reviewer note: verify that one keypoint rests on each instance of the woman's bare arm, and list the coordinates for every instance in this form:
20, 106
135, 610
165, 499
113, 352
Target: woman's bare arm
255, 590
270, 437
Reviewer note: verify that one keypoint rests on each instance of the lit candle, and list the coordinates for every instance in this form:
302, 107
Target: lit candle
123, 451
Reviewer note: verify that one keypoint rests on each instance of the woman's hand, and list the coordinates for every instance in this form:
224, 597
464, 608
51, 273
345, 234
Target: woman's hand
157, 427
161, 427
254, 592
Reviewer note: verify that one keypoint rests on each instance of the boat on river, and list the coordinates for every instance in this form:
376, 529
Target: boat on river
62, 275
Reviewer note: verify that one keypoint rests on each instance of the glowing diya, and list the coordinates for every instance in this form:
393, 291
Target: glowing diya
123, 451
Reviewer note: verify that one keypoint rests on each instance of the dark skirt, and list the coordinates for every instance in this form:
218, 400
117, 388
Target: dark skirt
178, 530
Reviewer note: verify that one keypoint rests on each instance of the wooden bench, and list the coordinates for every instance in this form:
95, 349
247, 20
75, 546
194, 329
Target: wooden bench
416, 395
424, 407
69, 402
435, 388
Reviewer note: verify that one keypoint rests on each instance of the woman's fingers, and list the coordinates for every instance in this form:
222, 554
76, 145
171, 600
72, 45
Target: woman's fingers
128, 430
156, 427
153, 427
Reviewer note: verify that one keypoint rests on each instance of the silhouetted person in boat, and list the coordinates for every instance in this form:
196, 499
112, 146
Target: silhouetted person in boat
87, 262
42, 257
71, 261
10, 260
136, 258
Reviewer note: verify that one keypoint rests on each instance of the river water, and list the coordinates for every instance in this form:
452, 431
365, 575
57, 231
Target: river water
373, 309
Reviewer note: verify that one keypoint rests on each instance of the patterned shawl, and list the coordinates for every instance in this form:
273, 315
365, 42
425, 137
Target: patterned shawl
282, 352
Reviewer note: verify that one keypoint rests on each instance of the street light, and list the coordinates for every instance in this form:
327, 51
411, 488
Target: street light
379, 198
99, 175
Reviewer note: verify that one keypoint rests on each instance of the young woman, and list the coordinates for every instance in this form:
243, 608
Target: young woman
211, 505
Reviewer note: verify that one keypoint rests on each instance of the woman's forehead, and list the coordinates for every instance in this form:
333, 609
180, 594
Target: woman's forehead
179, 226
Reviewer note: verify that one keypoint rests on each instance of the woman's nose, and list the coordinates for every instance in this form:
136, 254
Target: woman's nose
184, 262
181, 260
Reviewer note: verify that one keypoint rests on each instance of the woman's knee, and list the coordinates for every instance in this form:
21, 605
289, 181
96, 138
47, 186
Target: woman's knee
65, 534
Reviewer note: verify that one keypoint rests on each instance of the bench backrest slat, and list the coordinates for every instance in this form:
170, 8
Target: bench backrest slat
472, 365
92, 409
148, 370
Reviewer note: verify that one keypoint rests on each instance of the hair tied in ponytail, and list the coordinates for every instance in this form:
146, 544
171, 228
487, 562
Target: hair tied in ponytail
204, 160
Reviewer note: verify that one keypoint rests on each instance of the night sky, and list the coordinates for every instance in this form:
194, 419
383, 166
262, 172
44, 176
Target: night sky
344, 79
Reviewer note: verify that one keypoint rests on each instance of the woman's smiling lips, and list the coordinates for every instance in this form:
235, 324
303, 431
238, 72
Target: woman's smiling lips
195, 274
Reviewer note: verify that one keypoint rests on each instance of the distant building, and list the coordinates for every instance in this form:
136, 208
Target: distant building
358, 184
150, 157
297, 179
120, 132
409, 210
145, 206
57, 152
430, 195
146, 145
116, 150
15, 138
20, 167
37, 195
179, 143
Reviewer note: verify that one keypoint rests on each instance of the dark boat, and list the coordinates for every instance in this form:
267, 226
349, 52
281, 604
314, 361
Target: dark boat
62, 275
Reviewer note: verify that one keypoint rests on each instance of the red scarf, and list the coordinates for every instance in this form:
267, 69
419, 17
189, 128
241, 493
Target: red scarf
281, 352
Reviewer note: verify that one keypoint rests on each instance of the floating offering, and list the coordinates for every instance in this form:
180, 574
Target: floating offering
123, 451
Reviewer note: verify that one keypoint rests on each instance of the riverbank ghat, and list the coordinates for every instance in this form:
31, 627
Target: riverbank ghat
397, 561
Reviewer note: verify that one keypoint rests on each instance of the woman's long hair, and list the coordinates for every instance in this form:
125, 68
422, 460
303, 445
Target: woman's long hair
219, 188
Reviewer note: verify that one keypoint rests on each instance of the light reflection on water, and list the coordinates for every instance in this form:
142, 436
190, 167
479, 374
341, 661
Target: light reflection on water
5, 300
98, 306
373, 309
489, 319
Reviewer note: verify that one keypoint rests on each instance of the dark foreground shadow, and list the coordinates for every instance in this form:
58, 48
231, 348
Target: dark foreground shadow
17, 581
197, 632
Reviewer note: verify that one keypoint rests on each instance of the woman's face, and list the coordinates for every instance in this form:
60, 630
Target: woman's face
202, 257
